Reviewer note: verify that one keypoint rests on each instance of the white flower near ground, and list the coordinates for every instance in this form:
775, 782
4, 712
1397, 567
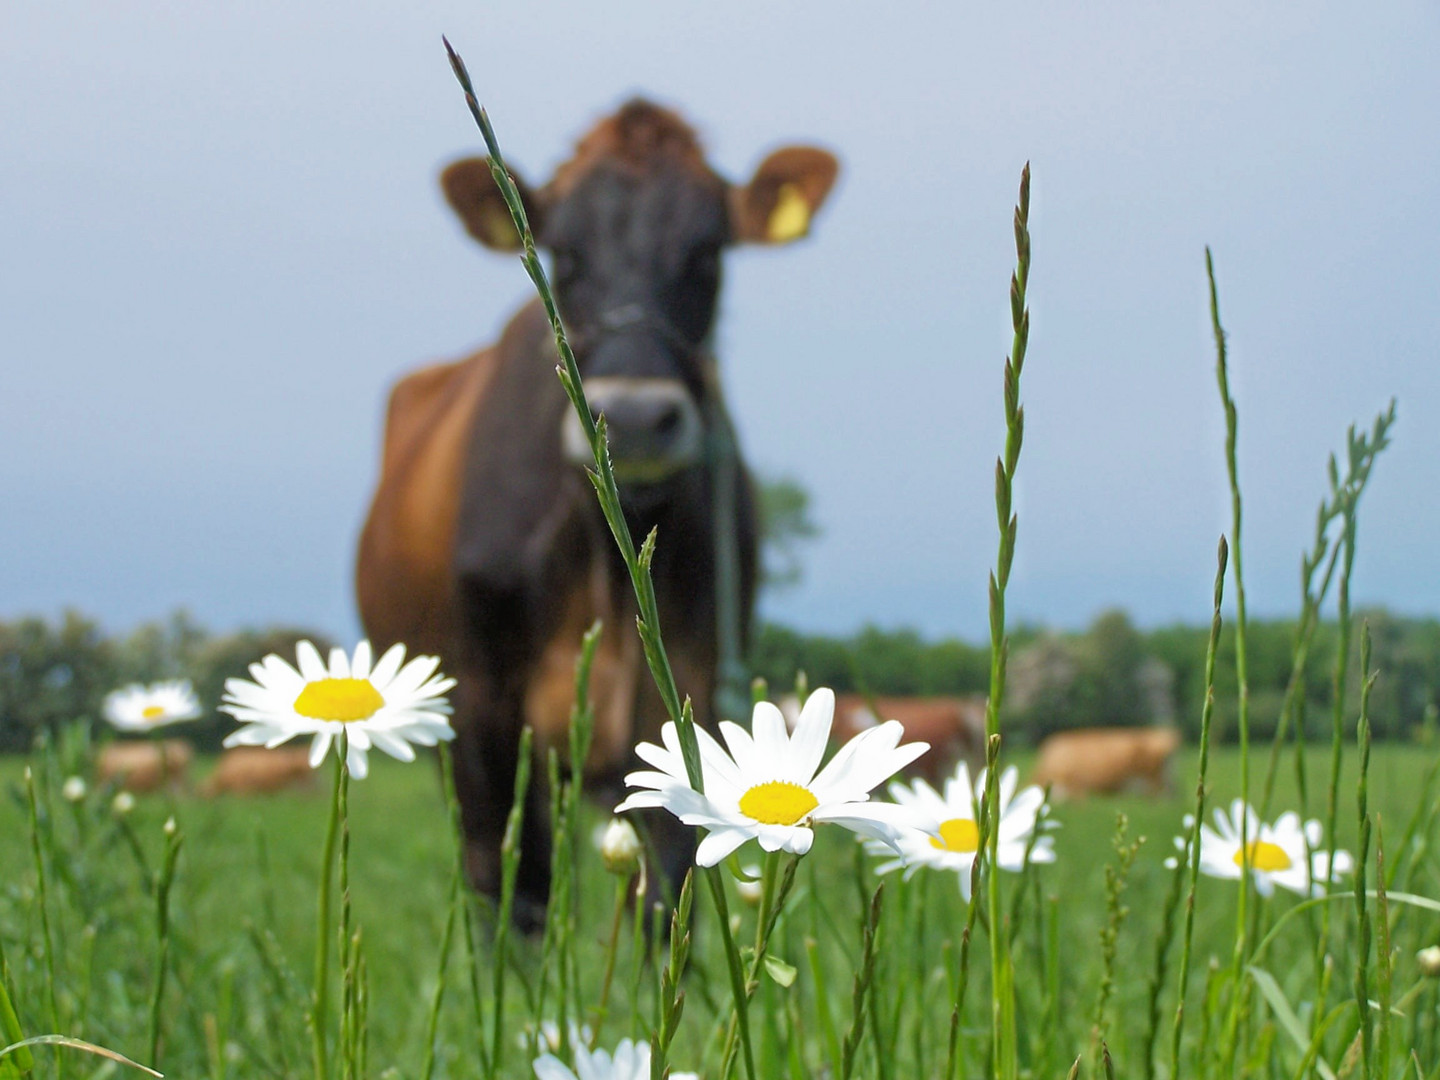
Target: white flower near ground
144, 708
546, 1040
750, 887
388, 706
73, 790
947, 836
1428, 959
767, 788
620, 847
631, 1061
123, 803
1276, 853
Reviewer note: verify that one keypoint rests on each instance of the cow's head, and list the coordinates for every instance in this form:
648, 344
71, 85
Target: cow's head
635, 224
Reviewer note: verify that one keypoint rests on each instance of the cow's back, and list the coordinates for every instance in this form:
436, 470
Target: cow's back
444, 423
403, 573
1105, 760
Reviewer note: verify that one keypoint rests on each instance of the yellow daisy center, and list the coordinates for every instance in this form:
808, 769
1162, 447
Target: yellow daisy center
1264, 856
339, 699
958, 834
153, 712
778, 802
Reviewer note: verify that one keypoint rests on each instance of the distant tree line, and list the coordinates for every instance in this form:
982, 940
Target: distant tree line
1114, 674
56, 672
53, 672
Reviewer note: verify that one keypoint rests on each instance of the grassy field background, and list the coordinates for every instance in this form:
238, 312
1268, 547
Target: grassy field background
243, 911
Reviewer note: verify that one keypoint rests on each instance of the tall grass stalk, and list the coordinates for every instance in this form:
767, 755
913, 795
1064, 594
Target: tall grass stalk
11, 1033
1362, 855
671, 1000
821, 982
1164, 938
43, 897
1117, 876
432, 1020
860, 994
1292, 706
602, 477
962, 974
10, 1030
1242, 678
1002, 972
1383, 955
509, 869
166, 879
962, 971
1361, 451
467, 908
1191, 853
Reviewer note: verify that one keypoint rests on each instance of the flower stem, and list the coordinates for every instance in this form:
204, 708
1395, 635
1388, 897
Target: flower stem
320, 996
348, 947
173, 840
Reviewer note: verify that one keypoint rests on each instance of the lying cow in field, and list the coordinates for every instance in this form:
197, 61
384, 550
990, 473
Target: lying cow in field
1093, 761
143, 767
953, 726
254, 770
485, 544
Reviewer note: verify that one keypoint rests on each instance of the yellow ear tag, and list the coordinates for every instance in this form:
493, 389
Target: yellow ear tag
498, 226
790, 219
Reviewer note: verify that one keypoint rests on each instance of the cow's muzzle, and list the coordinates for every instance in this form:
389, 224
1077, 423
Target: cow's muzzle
653, 425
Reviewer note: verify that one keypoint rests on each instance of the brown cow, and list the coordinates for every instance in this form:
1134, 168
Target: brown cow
254, 770
485, 544
143, 767
1106, 760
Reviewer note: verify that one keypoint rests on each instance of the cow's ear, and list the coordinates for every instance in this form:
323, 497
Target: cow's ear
778, 204
471, 191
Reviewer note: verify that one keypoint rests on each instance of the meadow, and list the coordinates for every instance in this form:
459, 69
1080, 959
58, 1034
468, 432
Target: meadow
182, 933
243, 921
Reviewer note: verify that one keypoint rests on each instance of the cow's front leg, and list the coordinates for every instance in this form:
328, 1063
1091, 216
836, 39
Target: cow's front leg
486, 754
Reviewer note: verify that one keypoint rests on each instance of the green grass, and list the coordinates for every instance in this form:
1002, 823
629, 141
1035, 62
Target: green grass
221, 992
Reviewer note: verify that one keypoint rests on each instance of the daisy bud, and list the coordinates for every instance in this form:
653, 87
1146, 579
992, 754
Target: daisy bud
749, 890
1429, 961
123, 804
620, 848
170, 827
73, 789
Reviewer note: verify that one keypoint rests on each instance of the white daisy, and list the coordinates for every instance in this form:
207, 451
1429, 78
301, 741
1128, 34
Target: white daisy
767, 787
947, 837
388, 706
631, 1062
144, 708
1276, 852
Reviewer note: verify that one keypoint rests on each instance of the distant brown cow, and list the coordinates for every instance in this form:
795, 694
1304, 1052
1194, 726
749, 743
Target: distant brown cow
1093, 761
145, 766
485, 545
953, 726
253, 770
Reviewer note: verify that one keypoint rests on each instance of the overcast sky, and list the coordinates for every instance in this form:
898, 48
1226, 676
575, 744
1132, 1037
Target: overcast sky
222, 241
